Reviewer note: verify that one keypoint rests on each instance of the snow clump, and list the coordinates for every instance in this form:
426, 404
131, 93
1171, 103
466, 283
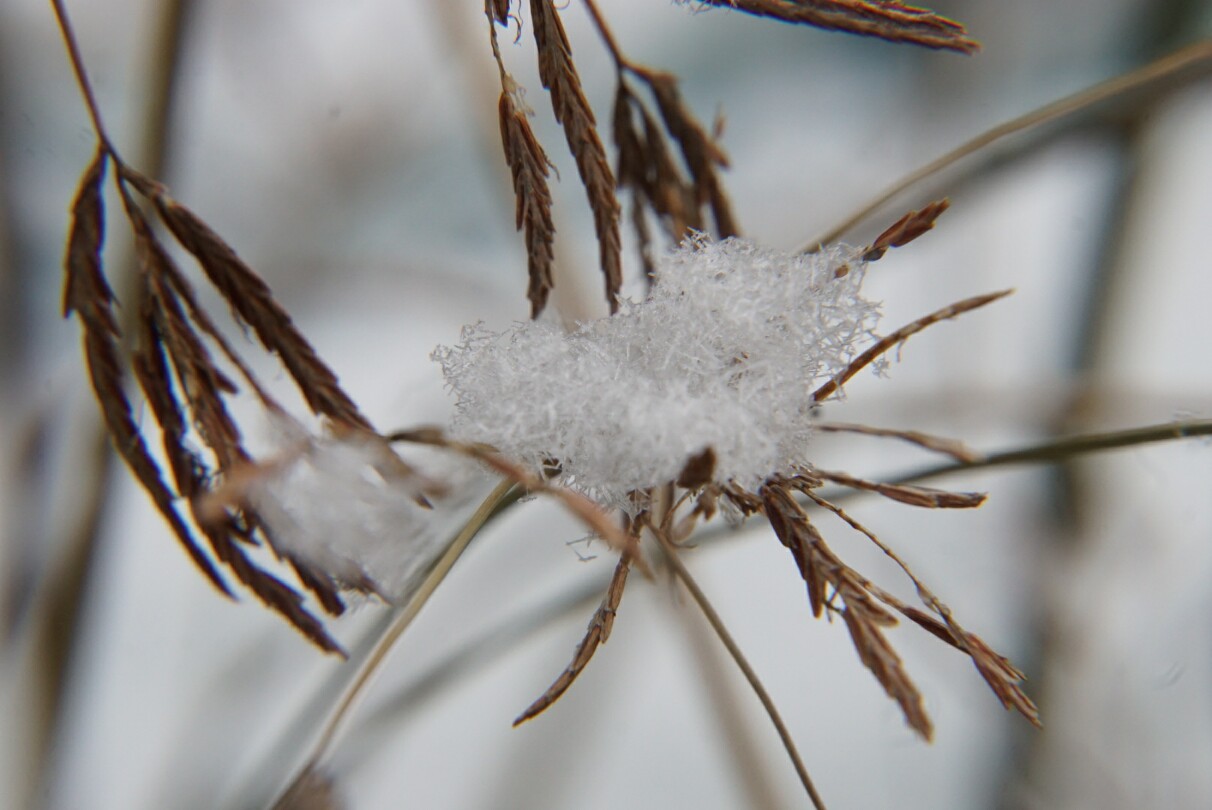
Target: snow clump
724, 353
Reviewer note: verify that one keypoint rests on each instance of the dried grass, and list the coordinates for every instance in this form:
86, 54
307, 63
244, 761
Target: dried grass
671, 165
181, 381
559, 75
528, 164
598, 632
894, 22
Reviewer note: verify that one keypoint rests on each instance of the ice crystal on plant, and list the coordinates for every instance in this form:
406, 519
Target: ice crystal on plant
348, 507
725, 352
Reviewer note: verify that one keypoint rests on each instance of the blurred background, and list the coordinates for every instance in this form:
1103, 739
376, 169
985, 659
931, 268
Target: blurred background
350, 153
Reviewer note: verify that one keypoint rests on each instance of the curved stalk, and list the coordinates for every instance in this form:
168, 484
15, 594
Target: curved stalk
358, 686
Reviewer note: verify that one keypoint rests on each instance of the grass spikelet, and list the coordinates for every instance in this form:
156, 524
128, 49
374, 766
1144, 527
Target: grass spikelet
89, 297
900, 336
891, 21
559, 75
254, 304
702, 154
596, 634
906, 229
925, 497
528, 164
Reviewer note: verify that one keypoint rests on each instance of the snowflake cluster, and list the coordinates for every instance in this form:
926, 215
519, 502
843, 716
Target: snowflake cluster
725, 353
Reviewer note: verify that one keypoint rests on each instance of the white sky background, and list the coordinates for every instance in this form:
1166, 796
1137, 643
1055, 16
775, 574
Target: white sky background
349, 151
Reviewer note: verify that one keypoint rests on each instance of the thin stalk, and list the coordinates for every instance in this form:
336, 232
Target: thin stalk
755, 683
1055, 451
500, 495
1148, 77
82, 81
752, 770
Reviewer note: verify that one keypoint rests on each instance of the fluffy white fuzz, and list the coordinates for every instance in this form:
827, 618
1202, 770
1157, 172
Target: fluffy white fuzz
347, 508
724, 353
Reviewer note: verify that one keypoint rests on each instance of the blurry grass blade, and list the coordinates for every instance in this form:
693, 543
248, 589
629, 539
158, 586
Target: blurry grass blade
528, 164
572, 110
894, 22
596, 634
900, 336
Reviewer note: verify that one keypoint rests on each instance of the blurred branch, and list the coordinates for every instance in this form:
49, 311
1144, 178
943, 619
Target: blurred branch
1073, 494
734, 650
1133, 92
1067, 448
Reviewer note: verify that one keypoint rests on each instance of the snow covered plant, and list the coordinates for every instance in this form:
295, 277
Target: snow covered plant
697, 399
700, 398
704, 396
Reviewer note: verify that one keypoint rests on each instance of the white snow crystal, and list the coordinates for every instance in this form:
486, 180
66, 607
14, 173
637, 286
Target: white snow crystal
725, 352
340, 505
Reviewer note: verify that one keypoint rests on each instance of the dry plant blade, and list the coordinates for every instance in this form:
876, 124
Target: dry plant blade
528, 164
906, 229
864, 619
900, 336
317, 581
647, 168
924, 593
581, 507
88, 295
251, 300
183, 290
1002, 676
924, 497
891, 21
734, 650
632, 175
221, 531
997, 671
498, 10
1069, 447
313, 790
863, 616
793, 529
938, 444
177, 375
700, 151
273, 592
1195, 60
596, 634
572, 110
166, 326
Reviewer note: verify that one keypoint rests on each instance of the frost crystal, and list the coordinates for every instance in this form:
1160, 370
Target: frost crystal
724, 353
343, 507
